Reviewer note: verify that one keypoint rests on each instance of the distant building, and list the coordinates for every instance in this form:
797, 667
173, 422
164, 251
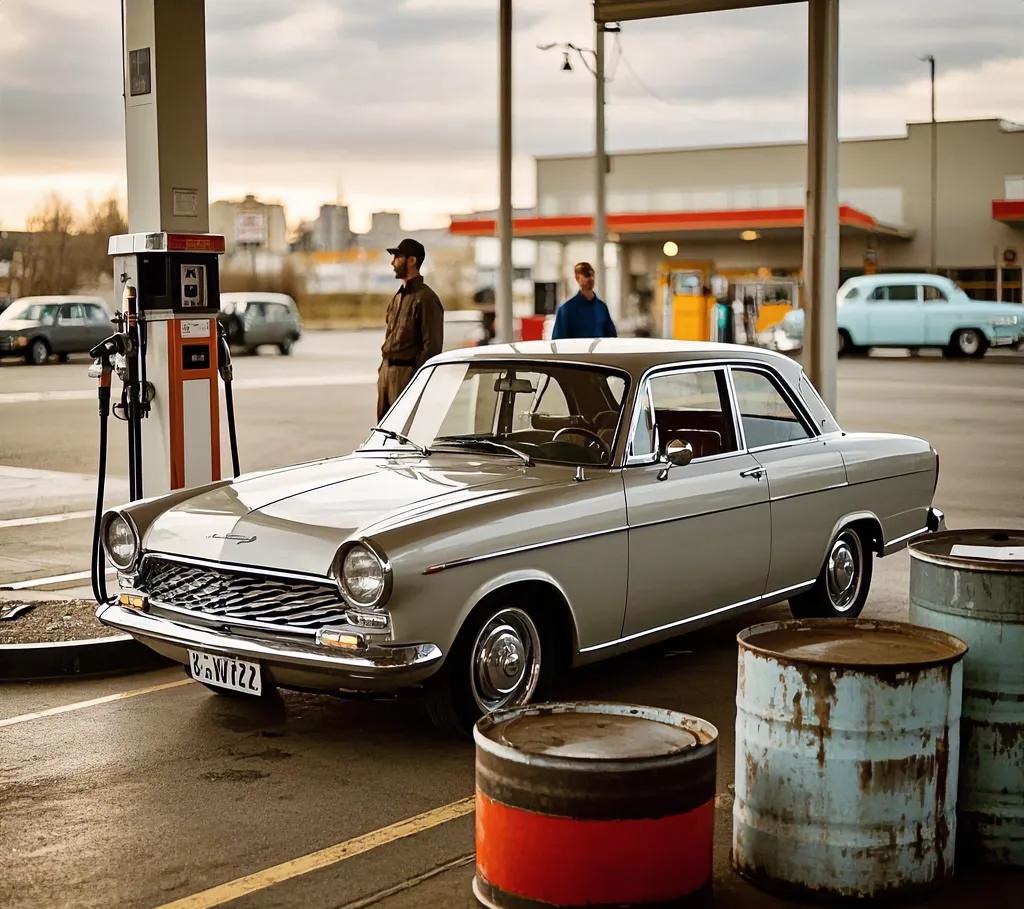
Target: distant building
250, 225
331, 231
737, 212
385, 230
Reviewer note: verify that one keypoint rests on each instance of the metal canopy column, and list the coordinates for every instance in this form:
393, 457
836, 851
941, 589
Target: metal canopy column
600, 165
821, 212
503, 292
165, 115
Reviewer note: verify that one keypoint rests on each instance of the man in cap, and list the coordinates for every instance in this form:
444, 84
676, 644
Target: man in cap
585, 315
414, 329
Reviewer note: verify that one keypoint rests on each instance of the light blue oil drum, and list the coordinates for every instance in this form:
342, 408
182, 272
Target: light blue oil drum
970, 583
847, 748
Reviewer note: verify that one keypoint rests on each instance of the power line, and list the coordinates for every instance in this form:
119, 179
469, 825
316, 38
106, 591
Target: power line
636, 76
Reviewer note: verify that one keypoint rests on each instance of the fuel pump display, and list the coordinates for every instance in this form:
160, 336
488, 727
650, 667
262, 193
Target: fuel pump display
168, 352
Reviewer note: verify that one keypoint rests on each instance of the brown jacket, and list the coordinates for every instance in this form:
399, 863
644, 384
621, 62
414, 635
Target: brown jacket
414, 324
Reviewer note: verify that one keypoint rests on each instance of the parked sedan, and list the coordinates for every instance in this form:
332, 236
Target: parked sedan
915, 310
36, 327
254, 319
519, 508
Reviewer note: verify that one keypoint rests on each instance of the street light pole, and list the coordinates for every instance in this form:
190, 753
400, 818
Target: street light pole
934, 229
600, 161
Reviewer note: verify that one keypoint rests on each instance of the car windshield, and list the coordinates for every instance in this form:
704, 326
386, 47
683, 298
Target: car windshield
540, 411
29, 312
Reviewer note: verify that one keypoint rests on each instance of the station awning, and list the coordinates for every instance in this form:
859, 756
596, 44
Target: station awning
1009, 211
664, 225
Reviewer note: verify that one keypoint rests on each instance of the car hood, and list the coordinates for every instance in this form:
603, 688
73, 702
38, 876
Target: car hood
15, 326
295, 519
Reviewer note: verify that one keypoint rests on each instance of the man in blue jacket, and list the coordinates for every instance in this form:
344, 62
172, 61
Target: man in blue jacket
585, 315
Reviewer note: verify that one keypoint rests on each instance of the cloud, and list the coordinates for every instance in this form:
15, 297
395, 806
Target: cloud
304, 93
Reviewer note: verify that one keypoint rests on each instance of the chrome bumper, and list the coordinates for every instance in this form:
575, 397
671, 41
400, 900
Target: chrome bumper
377, 668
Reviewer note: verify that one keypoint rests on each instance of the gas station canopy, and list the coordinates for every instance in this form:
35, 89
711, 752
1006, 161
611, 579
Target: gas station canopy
625, 10
1009, 211
666, 225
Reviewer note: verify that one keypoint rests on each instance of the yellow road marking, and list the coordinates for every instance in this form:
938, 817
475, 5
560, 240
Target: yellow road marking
313, 861
82, 705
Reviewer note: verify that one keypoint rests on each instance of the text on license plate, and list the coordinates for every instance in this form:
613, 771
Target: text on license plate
225, 672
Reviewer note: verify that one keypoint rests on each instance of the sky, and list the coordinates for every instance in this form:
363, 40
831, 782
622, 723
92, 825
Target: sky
393, 104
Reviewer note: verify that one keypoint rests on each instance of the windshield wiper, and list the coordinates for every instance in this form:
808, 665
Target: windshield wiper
463, 442
398, 437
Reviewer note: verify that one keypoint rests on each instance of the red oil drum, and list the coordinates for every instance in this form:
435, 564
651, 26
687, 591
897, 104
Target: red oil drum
590, 804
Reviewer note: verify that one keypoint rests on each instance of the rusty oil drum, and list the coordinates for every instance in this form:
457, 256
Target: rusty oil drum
847, 743
971, 583
592, 804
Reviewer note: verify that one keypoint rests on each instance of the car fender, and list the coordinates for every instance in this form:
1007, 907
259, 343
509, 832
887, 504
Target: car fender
508, 578
851, 518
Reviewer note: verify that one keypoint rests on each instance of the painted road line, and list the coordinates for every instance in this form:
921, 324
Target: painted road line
55, 579
44, 397
323, 858
47, 518
83, 705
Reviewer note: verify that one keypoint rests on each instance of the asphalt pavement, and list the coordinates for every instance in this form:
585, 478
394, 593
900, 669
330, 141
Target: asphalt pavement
146, 790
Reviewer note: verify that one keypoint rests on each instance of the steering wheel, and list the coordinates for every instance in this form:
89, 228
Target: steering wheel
593, 436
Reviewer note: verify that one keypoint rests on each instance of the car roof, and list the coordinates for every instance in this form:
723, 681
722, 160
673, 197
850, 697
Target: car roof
896, 278
51, 299
255, 296
634, 355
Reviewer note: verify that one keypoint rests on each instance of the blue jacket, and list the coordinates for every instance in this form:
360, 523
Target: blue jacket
579, 317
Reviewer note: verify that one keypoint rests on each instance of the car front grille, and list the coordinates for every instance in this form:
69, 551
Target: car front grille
240, 597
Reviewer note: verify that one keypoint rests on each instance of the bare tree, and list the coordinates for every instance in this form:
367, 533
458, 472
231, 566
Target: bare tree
57, 254
45, 264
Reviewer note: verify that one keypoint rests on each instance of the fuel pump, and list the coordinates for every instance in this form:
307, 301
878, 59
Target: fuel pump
168, 351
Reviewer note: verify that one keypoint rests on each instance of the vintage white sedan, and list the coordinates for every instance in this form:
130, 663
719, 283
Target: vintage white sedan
523, 507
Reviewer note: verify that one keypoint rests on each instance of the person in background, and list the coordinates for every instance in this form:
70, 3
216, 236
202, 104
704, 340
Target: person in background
414, 329
585, 315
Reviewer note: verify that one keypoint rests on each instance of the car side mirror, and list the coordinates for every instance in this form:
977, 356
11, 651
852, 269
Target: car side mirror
678, 453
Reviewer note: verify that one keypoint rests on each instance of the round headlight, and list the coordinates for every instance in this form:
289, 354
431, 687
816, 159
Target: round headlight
121, 542
362, 576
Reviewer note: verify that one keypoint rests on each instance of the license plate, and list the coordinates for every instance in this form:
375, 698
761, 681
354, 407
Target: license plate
225, 672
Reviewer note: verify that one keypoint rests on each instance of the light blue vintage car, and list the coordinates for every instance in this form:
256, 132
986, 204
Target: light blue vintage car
916, 310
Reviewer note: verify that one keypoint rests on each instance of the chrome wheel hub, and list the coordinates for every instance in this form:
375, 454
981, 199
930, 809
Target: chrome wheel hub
969, 342
506, 661
844, 571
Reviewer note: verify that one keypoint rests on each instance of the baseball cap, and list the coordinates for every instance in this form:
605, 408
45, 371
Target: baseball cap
409, 247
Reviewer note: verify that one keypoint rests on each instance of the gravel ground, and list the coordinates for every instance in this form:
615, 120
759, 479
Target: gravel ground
52, 620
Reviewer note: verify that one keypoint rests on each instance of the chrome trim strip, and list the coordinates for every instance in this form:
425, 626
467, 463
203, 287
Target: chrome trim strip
907, 536
444, 566
809, 492
243, 569
694, 618
697, 514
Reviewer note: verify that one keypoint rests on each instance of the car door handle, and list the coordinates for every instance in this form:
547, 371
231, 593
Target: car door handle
755, 472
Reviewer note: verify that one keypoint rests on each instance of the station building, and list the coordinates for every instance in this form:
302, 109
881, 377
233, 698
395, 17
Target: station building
679, 217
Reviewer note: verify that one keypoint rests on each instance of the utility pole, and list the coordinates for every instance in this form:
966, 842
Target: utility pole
600, 161
503, 297
934, 229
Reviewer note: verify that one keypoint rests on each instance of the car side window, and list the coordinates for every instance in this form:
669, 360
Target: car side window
767, 417
71, 312
275, 312
933, 294
895, 293
692, 406
96, 315
852, 294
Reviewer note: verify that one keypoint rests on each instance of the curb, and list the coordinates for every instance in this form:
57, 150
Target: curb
94, 657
